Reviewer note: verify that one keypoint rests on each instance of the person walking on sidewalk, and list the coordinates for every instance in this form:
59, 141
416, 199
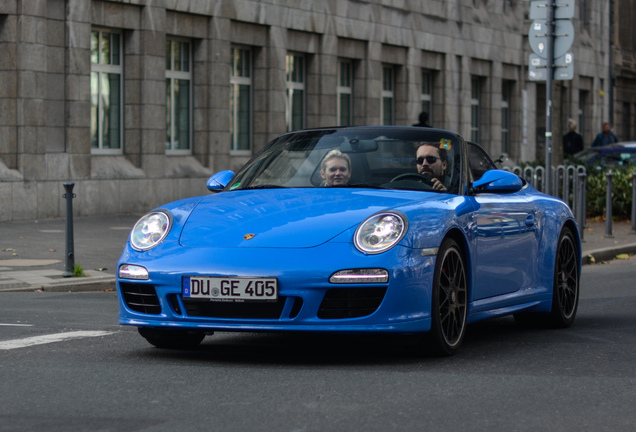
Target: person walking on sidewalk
572, 141
423, 120
605, 137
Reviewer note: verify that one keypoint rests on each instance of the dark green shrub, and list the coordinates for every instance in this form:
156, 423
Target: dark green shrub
621, 192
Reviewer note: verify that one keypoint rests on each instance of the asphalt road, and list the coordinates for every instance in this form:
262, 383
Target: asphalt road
104, 377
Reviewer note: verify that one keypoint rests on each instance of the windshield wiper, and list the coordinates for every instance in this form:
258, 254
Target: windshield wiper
265, 186
363, 186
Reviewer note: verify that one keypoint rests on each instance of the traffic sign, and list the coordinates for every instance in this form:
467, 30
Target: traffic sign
537, 68
563, 37
563, 9
563, 68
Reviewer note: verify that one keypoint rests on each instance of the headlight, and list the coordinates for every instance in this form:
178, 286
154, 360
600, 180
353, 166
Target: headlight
150, 230
380, 232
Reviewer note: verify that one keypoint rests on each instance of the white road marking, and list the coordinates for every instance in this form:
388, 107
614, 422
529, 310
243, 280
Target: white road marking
17, 325
44, 339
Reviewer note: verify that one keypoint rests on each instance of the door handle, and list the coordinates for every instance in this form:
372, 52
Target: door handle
530, 220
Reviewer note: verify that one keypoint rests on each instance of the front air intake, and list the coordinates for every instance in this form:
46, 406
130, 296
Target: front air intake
140, 298
341, 303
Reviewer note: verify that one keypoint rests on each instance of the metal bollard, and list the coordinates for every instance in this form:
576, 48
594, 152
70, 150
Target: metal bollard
581, 210
70, 252
633, 203
608, 206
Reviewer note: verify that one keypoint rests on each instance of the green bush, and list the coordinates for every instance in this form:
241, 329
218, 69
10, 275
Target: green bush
621, 192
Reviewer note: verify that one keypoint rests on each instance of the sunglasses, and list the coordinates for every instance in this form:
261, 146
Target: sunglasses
429, 160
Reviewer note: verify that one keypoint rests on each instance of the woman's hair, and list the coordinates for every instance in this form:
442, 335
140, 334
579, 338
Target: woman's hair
572, 124
335, 154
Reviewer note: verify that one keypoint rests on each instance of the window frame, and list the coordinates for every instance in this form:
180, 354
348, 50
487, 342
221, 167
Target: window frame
172, 75
345, 87
388, 94
582, 111
426, 94
292, 84
475, 108
237, 80
102, 69
506, 99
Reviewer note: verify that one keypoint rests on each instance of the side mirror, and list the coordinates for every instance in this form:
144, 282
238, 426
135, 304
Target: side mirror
498, 181
219, 180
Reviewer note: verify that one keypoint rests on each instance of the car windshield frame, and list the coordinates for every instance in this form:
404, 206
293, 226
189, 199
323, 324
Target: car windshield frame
376, 157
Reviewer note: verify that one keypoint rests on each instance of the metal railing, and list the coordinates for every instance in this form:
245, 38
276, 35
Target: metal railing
570, 185
566, 181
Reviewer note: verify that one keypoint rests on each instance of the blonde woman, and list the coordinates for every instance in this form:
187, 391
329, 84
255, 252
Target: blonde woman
335, 169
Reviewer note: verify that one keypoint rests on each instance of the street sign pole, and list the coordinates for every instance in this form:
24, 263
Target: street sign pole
548, 96
551, 35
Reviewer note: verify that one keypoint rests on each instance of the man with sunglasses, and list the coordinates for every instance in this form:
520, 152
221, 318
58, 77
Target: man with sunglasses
432, 161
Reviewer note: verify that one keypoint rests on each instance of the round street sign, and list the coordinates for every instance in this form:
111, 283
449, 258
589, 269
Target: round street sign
563, 37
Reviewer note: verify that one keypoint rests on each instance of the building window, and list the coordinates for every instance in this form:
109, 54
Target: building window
241, 99
626, 121
427, 94
583, 103
583, 12
388, 96
506, 92
345, 93
295, 108
106, 92
475, 107
178, 96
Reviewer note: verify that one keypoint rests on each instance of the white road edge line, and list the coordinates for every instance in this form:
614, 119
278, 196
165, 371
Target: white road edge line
16, 325
44, 339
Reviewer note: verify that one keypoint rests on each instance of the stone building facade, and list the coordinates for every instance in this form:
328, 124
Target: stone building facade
138, 102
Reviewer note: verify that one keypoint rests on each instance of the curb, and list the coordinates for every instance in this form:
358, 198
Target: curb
607, 254
95, 284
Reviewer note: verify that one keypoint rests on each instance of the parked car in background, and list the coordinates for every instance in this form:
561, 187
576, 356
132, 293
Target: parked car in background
609, 156
394, 230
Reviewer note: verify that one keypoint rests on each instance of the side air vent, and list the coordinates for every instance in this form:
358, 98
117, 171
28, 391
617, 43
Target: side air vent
341, 303
140, 298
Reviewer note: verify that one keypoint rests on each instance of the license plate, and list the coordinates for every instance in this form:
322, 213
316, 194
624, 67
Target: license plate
230, 289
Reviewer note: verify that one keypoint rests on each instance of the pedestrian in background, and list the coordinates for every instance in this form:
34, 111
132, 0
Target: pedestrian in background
605, 137
572, 141
423, 120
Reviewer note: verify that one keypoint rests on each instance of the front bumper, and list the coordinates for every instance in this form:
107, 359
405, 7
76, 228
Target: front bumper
307, 300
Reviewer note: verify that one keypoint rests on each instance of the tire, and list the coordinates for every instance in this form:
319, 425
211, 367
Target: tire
565, 291
565, 288
171, 339
449, 300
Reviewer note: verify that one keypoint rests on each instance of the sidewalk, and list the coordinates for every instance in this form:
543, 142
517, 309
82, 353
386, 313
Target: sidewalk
33, 253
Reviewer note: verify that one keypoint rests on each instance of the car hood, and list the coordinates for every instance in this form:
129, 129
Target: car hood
284, 218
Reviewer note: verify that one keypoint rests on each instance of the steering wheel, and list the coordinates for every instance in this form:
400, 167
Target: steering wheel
426, 179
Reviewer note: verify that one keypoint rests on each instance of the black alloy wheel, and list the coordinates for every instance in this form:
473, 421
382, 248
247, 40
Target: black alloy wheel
449, 305
565, 292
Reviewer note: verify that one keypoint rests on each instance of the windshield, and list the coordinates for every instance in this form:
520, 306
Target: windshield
391, 158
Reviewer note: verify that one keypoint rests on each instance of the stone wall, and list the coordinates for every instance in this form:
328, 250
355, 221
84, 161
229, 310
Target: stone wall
45, 93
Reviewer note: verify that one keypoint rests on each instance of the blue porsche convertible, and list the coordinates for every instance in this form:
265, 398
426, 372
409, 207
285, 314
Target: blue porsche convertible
397, 230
